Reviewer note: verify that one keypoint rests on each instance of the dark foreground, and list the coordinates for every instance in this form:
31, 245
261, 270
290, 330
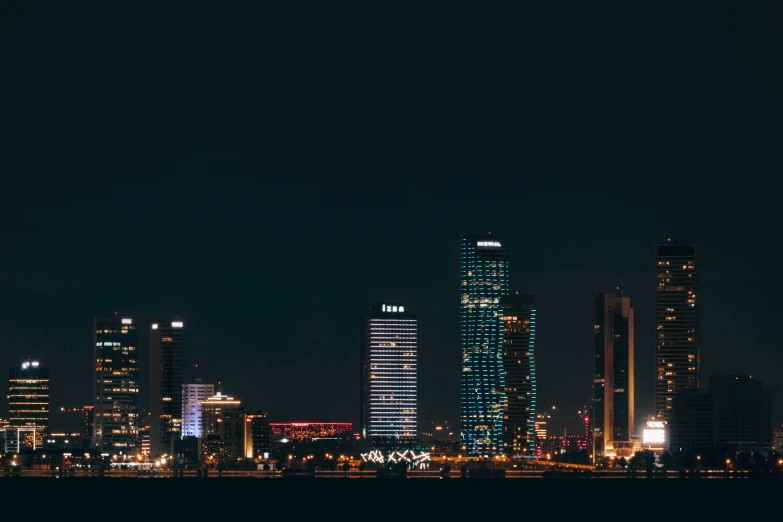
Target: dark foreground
400, 499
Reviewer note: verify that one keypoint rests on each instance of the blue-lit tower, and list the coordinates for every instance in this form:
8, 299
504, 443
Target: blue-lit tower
483, 281
519, 371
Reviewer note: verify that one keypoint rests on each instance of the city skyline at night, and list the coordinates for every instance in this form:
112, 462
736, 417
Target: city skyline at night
486, 243
268, 206
271, 259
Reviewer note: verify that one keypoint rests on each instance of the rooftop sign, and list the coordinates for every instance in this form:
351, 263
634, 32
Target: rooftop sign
392, 309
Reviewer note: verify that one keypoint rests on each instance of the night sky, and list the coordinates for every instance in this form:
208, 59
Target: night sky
266, 174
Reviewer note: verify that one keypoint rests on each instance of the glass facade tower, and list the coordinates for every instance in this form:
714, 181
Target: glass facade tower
613, 386
165, 385
677, 323
519, 370
116, 383
389, 374
483, 281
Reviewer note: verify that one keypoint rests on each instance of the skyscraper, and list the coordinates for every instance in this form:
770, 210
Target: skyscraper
165, 385
116, 383
28, 396
519, 370
389, 374
677, 322
483, 281
613, 388
193, 394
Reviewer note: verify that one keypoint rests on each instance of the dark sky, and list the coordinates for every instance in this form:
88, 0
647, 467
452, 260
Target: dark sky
267, 173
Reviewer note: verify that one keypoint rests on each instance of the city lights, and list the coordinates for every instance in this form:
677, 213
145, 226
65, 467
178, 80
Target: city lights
394, 457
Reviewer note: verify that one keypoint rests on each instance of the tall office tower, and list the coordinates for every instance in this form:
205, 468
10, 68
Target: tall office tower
165, 385
484, 280
389, 374
677, 323
116, 383
28, 396
519, 369
613, 388
193, 394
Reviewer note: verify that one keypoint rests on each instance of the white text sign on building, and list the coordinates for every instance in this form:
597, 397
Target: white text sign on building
393, 309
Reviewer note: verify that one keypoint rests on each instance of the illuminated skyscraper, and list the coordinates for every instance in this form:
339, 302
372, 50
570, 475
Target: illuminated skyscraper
28, 396
519, 370
484, 280
165, 385
677, 323
116, 383
389, 374
613, 387
193, 394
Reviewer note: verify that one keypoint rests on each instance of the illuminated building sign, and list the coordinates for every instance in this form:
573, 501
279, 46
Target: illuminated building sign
655, 433
176, 324
488, 243
655, 436
394, 457
393, 309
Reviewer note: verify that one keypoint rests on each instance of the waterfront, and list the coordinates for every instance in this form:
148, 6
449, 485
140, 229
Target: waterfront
454, 475
382, 500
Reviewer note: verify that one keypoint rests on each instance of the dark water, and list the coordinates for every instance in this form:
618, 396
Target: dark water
140, 499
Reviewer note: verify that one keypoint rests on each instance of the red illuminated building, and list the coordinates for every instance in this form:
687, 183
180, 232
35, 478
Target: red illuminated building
307, 431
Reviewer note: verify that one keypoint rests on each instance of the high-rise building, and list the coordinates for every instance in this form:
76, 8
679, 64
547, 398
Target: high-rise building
743, 412
483, 281
165, 385
389, 374
677, 322
193, 394
613, 386
259, 444
28, 396
519, 338
116, 383
225, 429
